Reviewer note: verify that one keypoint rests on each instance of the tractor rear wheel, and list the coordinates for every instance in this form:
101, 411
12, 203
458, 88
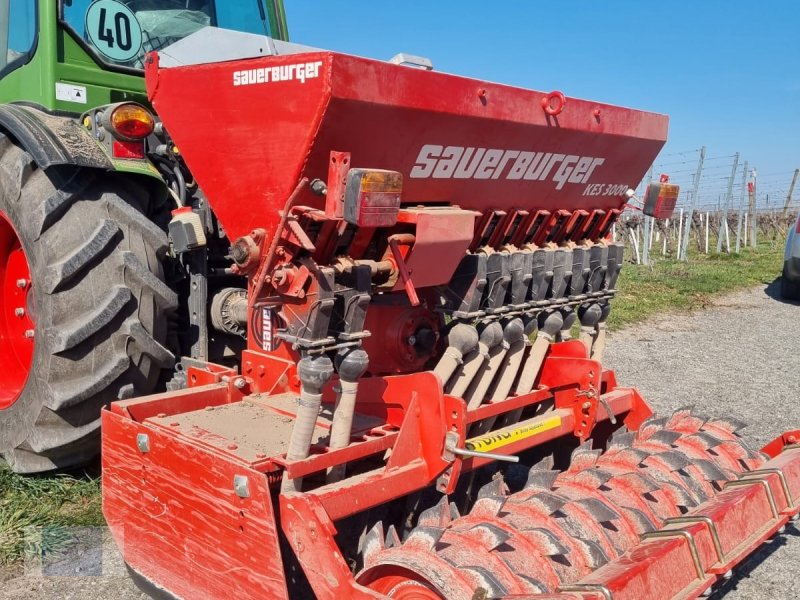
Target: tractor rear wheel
83, 306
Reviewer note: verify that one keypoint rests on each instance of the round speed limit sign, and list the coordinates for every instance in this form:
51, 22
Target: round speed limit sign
112, 28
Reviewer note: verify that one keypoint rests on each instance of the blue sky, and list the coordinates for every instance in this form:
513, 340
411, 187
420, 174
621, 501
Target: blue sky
727, 73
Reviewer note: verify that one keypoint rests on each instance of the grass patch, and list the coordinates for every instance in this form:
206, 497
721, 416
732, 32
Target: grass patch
44, 501
669, 285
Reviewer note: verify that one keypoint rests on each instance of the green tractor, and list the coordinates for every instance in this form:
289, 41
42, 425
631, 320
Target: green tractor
88, 183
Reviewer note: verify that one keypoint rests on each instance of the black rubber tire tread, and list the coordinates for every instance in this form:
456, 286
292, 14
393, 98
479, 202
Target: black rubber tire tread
100, 305
790, 290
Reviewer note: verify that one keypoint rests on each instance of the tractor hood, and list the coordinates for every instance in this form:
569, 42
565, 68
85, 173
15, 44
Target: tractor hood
250, 129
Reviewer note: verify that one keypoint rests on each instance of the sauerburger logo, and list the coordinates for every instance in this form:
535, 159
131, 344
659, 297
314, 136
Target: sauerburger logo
299, 72
458, 162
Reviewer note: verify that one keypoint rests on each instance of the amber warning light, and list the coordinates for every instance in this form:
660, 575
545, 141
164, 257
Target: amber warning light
372, 197
130, 121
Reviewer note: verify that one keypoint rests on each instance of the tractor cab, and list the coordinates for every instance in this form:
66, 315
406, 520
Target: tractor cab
73, 55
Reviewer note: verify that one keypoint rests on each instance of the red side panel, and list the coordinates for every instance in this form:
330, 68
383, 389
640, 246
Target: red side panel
175, 516
455, 140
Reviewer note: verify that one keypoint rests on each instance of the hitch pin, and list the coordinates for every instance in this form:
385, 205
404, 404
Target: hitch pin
609, 412
451, 447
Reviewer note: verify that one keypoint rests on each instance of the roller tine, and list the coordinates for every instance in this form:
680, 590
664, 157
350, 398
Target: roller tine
373, 542
599, 477
597, 556
454, 514
437, 515
729, 424
424, 537
693, 483
641, 521
686, 421
708, 440
632, 455
731, 443
583, 457
680, 414
541, 480
487, 581
548, 501
599, 510
621, 440
547, 541
756, 454
546, 464
651, 426
644, 484
496, 487
491, 536
535, 586
673, 459
488, 506
711, 470
392, 538
665, 436
686, 500
654, 419
751, 464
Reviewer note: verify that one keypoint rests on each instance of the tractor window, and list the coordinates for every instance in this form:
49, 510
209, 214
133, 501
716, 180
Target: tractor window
18, 35
121, 32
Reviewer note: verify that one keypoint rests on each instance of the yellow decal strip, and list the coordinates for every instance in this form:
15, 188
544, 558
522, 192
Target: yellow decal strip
498, 439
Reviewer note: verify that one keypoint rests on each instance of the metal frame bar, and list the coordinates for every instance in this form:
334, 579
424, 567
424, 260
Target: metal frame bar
748, 482
683, 534
712, 528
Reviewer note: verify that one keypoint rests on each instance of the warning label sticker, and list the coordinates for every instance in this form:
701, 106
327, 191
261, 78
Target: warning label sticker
498, 439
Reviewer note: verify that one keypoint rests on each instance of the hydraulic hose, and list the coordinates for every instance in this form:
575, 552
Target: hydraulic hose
350, 364
314, 373
549, 325
589, 316
513, 338
490, 336
510, 367
462, 339
600, 339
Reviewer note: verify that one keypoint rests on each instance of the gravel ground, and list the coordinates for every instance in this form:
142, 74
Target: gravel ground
738, 357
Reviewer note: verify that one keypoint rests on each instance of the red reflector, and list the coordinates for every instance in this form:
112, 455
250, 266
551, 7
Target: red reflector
660, 200
122, 149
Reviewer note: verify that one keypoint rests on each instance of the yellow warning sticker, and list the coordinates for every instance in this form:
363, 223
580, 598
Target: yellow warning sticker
498, 439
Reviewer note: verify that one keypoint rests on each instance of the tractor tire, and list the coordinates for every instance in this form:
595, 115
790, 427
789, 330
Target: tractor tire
790, 290
83, 306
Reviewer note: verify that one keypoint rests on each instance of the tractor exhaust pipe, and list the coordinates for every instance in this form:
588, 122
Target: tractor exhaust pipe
462, 340
490, 336
314, 373
350, 364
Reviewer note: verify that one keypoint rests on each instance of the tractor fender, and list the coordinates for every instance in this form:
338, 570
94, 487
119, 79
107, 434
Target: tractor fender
52, 140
